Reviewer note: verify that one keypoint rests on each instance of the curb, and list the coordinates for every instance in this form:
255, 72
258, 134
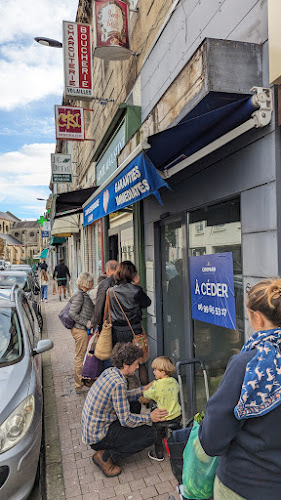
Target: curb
54, 483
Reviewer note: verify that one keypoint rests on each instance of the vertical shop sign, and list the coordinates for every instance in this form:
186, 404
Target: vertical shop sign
61, 167
212, 289
111, 29
46, 229
69, 123
77, 47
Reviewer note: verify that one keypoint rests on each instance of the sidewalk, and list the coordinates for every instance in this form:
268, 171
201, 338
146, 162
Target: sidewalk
70, 472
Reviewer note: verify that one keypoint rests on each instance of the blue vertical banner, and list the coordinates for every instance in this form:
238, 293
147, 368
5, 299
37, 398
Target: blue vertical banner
212, 289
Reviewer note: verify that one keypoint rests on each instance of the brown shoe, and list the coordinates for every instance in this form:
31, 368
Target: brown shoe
108, 468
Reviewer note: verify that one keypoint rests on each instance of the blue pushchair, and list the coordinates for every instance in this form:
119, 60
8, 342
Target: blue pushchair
178, 439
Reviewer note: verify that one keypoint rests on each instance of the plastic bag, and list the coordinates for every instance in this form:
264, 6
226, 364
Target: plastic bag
199, 469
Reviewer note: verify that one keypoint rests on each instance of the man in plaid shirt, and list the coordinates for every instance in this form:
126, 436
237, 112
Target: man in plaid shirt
108, 425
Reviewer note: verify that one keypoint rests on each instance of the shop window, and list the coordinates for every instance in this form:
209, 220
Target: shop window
199, 227
219, 227
32, 233
216, 344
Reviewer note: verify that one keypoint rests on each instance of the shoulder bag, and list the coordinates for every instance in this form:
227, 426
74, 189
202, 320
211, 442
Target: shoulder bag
65, 318
103, 347
140, 339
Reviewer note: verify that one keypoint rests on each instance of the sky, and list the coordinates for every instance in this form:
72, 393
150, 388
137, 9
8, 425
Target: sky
31, 85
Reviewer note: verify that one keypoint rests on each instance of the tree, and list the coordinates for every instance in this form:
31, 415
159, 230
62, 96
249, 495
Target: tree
1, 247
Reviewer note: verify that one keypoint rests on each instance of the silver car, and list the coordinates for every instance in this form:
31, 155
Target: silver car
21, 399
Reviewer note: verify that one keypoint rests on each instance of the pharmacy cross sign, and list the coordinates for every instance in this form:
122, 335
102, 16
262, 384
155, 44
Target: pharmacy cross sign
41, 220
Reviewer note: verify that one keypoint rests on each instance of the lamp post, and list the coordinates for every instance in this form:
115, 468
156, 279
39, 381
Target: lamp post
49, 42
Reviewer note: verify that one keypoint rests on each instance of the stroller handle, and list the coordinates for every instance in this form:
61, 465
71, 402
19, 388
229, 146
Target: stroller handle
191, 361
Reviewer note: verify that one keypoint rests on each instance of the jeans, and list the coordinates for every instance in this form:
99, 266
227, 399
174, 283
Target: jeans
44, 290
161, 428
122, 442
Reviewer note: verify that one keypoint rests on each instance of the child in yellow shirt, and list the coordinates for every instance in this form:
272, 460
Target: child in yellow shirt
164, 391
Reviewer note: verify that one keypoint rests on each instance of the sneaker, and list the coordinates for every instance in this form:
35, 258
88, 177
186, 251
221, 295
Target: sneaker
158, 456
64, 296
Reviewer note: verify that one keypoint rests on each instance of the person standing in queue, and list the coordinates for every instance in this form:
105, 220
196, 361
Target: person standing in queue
242, 421
128, 294
104, 285
81, 311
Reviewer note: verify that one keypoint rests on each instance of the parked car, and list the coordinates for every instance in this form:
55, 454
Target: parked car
21, 398
7, 265
26, 280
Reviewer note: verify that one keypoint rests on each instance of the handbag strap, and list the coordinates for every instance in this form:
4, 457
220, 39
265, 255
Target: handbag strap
124, 313
107, 307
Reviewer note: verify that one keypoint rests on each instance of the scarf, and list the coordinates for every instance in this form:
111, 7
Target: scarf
261, 389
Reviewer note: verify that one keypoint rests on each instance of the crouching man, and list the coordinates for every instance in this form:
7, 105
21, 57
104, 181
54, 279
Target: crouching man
108, 426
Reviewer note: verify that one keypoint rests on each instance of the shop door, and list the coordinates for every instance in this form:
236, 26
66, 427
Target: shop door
217, 229
173, 263
113, 247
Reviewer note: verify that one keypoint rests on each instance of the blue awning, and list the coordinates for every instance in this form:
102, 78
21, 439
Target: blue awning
136, 181
177, 143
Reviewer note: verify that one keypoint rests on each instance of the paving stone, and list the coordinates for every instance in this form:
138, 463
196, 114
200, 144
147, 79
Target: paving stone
123, 489
79, 478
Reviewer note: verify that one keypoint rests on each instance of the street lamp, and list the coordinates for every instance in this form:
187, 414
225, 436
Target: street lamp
49, 42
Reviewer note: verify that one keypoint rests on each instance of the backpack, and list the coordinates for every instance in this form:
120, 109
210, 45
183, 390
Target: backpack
65, 318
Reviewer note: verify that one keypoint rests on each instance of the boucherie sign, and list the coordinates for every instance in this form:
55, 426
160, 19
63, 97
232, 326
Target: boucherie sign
77, 46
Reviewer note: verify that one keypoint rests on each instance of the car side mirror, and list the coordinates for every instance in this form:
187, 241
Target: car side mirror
43, 346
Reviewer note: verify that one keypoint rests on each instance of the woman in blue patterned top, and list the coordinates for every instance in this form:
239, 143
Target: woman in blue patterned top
242, 422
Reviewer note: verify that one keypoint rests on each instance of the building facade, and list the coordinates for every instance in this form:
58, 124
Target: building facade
206, 116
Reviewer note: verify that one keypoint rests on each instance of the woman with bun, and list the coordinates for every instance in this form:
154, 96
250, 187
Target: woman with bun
242, 421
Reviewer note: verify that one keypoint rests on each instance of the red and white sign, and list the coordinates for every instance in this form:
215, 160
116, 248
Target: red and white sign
69, 123
77, 48
111, 29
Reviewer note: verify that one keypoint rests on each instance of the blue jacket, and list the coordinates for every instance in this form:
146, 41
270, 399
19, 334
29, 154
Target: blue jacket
249, 449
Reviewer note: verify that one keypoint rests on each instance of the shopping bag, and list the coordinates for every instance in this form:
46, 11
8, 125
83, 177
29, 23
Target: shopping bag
65, 318
103, 347
92, 366
199, 469
140, 340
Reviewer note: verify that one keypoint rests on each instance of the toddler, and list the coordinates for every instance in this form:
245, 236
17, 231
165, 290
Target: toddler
164, 391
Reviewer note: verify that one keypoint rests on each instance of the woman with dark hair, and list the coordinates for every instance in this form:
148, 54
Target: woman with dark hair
127, 297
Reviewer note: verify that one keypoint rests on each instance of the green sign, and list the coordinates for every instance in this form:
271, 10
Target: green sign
107, 164
41, 220
62, 178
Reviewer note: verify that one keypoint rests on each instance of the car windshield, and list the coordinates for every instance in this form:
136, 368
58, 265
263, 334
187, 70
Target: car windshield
10, 336
12, 279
